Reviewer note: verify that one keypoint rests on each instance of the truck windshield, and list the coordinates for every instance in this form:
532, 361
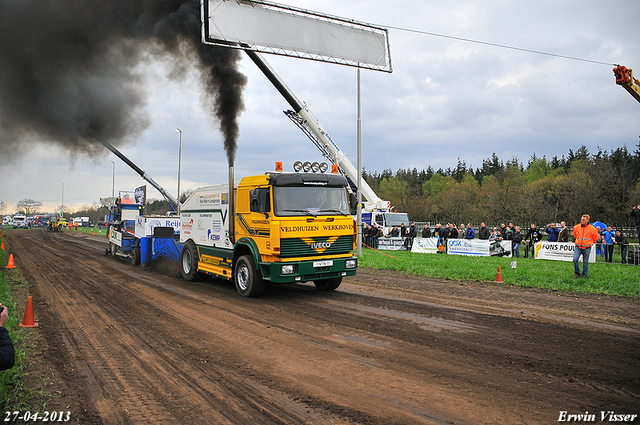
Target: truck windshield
396, 219
310, 200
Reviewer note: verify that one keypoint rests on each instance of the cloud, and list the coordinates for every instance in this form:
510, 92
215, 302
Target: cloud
445, 100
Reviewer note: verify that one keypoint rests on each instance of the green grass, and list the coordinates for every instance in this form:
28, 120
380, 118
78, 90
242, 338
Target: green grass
13, 394
604, 278
90, 230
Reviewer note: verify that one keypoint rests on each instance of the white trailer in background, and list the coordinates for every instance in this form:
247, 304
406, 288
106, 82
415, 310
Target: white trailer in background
19, 221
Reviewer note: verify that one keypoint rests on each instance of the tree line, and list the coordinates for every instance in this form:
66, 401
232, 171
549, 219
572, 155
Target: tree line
604, 185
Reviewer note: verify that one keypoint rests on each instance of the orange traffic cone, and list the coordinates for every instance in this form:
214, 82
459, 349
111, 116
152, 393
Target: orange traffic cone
94, 233
499, 276
27, 320
11, 264
3, 245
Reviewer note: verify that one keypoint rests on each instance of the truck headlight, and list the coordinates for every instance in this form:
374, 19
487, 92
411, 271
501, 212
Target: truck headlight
289, 269
351, 264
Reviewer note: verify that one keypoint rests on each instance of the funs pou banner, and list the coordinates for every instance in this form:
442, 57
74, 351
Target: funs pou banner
560, 251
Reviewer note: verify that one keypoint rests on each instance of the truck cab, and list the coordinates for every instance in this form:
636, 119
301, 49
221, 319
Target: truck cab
302, 219
287, 227
122, 231
386, 220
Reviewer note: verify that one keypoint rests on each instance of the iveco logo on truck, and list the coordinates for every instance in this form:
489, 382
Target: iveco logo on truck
320, 245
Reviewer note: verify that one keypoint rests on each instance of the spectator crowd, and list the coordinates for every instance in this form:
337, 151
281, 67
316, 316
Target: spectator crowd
608, 238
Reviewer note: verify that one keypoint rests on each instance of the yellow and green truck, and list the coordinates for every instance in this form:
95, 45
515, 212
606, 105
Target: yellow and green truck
280, 227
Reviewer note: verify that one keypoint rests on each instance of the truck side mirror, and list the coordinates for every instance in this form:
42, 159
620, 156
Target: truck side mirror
353, 203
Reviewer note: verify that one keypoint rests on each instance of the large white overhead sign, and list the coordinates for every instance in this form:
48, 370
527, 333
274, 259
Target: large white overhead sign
284, 30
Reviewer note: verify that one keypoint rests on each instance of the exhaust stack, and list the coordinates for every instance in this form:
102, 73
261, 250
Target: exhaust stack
232, 209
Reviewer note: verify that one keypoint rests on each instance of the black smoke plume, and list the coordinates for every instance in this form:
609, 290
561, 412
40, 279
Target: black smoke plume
70, 70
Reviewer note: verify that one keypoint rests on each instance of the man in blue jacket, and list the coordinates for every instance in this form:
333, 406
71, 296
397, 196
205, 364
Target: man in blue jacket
470, 234
609, 237
7, 353
553, 232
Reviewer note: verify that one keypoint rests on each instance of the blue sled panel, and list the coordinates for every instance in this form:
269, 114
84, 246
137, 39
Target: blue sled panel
166, 248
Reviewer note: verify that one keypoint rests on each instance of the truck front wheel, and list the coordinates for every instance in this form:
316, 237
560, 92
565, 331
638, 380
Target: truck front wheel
189, 262
248, 280
328, 284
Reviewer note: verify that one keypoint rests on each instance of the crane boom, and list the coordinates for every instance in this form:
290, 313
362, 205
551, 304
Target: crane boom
624, 78
173, 202
310, 125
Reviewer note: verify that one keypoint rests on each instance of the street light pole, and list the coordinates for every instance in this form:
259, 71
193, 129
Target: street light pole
359, 160
179, 163
113, 184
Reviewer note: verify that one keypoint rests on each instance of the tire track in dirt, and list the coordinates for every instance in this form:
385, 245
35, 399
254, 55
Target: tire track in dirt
371, 352
132, 376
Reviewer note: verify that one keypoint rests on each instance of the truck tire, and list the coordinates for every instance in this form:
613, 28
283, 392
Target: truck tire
248, 280
114, 249
135, 257
189, 262
328, 284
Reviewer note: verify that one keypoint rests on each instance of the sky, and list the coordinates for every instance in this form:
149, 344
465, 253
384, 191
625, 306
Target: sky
446, 100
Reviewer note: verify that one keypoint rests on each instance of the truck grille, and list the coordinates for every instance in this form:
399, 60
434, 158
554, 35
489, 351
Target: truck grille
304, 247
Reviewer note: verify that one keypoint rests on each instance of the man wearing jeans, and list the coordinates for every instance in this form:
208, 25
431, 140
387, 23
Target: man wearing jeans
584, 235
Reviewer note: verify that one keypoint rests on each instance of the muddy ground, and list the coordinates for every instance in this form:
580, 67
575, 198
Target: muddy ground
129, 345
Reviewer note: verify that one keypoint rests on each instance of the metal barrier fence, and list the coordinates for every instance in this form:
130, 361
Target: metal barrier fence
633, 254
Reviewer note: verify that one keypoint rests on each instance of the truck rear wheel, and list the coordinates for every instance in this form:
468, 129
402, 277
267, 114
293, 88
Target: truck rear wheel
135, 257
328, 284
189, 262
248, 280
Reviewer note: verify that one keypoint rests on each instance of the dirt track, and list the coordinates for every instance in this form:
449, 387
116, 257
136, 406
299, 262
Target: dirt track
140, 346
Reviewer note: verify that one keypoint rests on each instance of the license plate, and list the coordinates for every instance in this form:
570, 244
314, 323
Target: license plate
327, 263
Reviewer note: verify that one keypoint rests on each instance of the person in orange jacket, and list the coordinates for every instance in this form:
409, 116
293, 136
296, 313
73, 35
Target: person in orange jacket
584, 235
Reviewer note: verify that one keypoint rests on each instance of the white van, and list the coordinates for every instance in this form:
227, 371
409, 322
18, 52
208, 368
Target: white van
19, 221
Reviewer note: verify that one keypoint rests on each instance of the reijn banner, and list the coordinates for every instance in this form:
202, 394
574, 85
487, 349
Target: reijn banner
560, 251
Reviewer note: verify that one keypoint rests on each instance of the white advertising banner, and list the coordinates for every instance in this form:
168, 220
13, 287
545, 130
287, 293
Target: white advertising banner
393, 244
560, 251
146, 224
425, 245
479, 247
